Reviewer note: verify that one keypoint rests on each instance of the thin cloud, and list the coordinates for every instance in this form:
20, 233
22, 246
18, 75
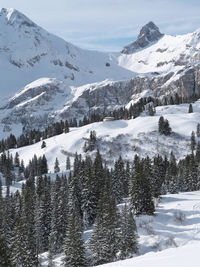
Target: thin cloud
87, 23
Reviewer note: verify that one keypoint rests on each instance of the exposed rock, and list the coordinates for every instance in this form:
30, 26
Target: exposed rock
149, 34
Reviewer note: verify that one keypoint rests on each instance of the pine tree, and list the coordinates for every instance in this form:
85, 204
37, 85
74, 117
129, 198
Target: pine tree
43, 213
19, 244
158, 176
43, 144
190, 110
193, 141
198, 153
198, 130
119, 181
5, 260
56, 166
104, 240
68, 164
170, 184
54, 238
88, 198
24, 246
163, 126
74, 251
141, 195
16, 160
128, 236
66, 127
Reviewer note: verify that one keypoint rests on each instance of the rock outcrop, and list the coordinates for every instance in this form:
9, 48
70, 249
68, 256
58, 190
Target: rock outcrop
149, 34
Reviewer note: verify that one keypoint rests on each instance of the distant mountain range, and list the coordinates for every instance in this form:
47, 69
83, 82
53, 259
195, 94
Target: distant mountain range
44, 78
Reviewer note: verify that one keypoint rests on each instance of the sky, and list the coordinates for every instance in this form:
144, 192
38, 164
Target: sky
108, 25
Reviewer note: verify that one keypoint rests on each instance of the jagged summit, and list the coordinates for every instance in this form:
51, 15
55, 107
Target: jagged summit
12, 16
148, 34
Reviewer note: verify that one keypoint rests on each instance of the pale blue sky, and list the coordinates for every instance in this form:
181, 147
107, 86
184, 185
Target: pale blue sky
108, 24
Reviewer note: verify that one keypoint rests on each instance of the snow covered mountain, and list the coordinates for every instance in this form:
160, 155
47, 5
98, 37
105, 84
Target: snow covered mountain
156, 52
28, 52
44, 78
149, 34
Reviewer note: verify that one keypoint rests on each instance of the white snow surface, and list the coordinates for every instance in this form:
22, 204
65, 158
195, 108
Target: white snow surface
180, 257
122, 137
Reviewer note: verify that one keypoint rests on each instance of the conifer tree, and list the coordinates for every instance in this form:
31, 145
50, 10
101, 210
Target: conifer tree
119, 181
163, 126
88, 198
104, 240
198, 153
43, 144
56, 166
68, 164
54, 238
158, 175
74, 251
190, 110
25, 235
16, 160
198, 130
141, 195
128, 236
5, 260
193, 141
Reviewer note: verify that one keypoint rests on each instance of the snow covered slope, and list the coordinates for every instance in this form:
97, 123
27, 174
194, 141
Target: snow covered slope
163, 54
174, 257
28, 52
138, 135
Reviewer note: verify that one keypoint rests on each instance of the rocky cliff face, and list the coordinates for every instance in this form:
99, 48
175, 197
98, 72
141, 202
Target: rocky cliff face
185, 83
149, 34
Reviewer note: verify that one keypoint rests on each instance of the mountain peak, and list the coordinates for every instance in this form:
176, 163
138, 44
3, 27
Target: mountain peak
148, 34
149, 30
12, 16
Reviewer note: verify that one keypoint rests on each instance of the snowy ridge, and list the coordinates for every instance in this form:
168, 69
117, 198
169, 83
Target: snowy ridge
170, 53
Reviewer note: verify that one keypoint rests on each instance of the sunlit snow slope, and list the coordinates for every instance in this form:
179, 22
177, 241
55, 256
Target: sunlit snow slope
135, 136
169, 53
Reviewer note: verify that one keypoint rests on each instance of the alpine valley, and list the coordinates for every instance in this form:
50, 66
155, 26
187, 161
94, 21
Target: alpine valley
44, 78
99, 152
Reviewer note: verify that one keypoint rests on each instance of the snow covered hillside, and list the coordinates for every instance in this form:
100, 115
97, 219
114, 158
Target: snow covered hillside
164, 239
138, 135
53, 79
183, 256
